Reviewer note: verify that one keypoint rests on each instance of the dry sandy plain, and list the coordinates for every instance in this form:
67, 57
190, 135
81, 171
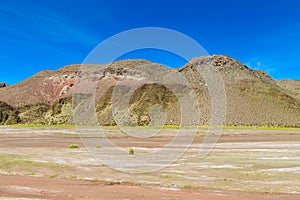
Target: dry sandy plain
37, 163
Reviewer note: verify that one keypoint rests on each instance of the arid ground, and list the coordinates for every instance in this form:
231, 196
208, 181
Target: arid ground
37, 163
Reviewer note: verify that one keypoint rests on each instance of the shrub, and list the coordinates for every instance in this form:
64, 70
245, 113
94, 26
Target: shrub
73, 146
130, 151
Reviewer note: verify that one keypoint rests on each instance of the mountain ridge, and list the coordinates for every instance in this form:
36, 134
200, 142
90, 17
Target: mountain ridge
253, 97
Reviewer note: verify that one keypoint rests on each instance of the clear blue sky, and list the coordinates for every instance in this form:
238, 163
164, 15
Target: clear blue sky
48, 34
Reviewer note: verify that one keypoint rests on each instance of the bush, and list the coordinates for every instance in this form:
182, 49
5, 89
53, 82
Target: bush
73, 146
130, 151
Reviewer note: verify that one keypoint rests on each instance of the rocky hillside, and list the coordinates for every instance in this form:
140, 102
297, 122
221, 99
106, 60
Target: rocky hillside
8, 115
3, 85
49, 86
291, 86
253, 97
46, 87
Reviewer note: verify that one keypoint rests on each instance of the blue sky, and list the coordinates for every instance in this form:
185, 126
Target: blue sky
48, 34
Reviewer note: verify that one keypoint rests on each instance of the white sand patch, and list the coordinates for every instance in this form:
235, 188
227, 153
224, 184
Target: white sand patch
256, 144
280, 158
202, 178
224, 167
228, 166
289, 169
259, 150
166, 188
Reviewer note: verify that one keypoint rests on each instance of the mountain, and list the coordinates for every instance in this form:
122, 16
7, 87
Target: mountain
49, 86
252, 96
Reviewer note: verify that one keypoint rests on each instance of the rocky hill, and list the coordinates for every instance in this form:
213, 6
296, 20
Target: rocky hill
253, 97
3, 85
45, 87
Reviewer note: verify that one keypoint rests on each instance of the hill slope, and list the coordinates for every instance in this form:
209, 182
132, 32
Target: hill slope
8, 114
253, 97
291, 86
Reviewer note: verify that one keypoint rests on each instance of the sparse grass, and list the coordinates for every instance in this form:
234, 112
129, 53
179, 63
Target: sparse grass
73, 146
187, 187
53, 176
250, 177
161, 127
72, 177
113, 183
262, 127
171, 126
130, 151
98, 146
44, 125
9, 157
62, 134
171, 176
207, 127
7, 161
227, 180
30, 163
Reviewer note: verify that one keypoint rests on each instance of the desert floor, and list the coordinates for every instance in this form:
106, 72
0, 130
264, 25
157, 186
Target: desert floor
37, 163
